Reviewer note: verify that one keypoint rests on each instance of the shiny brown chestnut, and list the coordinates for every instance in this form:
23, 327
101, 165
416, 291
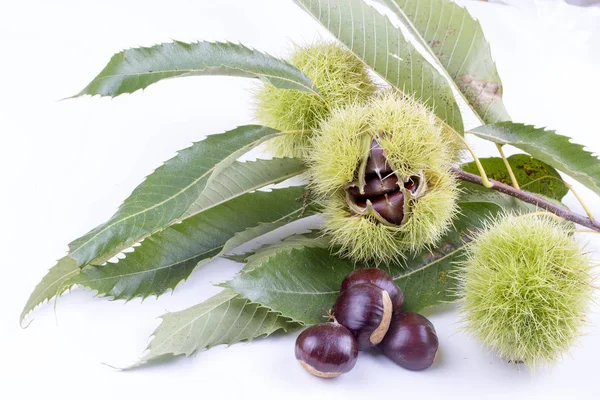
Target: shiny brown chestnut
327, 350
377, 162
379, 278
366, 310
411, 341
374, 186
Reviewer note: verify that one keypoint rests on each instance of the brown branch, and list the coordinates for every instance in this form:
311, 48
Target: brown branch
531, 199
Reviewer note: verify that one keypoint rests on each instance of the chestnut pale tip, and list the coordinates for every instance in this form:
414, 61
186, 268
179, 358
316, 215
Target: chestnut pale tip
312, 370
379, 333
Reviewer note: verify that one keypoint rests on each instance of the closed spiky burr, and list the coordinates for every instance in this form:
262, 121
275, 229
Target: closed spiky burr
525, 288
339, 76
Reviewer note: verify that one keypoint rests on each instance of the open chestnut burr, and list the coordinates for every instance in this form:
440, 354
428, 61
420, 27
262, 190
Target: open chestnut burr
366, 310
379, 278
327, 350
379, 191
411, 341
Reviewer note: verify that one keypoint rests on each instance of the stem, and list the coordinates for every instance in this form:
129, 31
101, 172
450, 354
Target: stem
531, 199
513, 178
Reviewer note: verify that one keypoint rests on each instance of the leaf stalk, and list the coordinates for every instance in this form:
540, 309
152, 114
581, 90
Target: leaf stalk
484, 179
511, 174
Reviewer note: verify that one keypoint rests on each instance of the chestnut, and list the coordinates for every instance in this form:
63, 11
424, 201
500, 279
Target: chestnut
390, 206
411, 341
374, 186
377, 162
326, 350
366, 310
379, 278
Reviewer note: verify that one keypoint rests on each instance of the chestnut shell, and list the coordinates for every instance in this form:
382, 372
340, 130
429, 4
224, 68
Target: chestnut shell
390, 206
411, 341
366, 310
326, 350
377, 162
374, 186
379, 278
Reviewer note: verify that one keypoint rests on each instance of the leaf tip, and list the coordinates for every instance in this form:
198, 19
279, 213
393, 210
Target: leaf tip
113, 367
22, 319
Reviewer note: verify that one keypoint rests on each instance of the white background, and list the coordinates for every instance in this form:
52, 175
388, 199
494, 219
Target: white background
65, 166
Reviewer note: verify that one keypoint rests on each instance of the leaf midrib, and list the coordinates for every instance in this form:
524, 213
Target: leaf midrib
191, 71
175, 264
255, 187
401, 276
177, 220
142, 211
303, 293
194, 320
42, 295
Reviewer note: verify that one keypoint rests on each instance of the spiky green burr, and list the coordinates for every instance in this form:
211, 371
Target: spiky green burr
525, 288
381, 170
341, 79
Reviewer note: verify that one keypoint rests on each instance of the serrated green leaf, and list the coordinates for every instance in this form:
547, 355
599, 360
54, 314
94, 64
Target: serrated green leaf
190, 164
165, 259
251, 233
135, 69
457, 43
243, 177
533, 175
297, 241
382, 46
165, 195
52, 284
222, 319
555, 150
302, 282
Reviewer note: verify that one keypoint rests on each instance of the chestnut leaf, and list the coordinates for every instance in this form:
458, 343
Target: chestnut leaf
166, 194
169, 257
225, 318
457, 44
177, 190
373, 38
547, 146
135, 69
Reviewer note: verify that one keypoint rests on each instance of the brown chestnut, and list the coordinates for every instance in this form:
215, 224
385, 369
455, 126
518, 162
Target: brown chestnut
379, 278
375, 187
390, 206
366, 310
326, 350
411, 341
377, 162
